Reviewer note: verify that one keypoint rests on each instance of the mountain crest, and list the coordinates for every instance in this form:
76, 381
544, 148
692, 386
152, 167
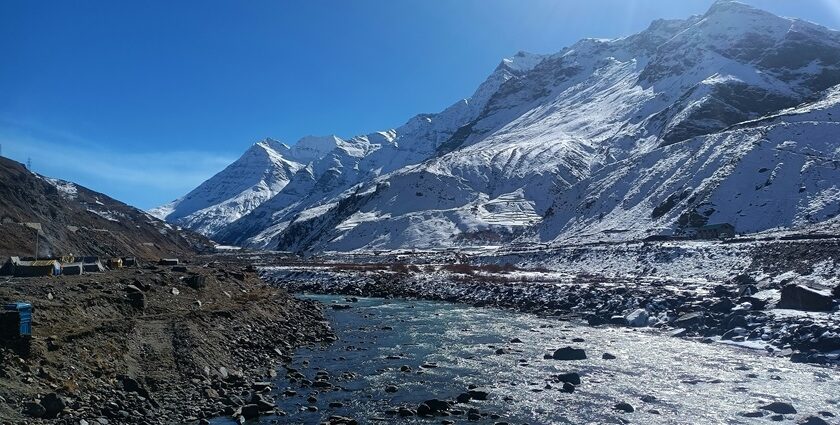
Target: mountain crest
626, 138
311, 148
730, 7
272, 144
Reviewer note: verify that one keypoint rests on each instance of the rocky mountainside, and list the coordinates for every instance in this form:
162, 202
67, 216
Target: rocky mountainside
727, 117
253, 179
75, 220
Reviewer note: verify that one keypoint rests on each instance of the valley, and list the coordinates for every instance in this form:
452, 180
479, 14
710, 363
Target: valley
642, 229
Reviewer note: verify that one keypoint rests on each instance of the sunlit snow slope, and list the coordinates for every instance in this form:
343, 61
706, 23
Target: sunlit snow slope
726, 117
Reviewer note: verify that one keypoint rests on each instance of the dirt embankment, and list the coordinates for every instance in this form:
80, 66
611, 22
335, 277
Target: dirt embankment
79, 221
151, 345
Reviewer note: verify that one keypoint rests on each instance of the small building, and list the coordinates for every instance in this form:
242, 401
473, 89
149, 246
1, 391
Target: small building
17, 267
716, 231
115, 263
72, 269
16, 320
168, 262
92, 265
129, 262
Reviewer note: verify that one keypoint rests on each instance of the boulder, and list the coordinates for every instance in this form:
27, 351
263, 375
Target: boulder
625, 407
569, 353
405, 412
827, 341
779, 407
757, 304
638, 318
690, 320
137, 299
813, 420
478, 394
341, 420
723, 306
756, 414
196, 281
571, 377
36, 410
250, 411
801, 297
129, 384
53, 405
435, 406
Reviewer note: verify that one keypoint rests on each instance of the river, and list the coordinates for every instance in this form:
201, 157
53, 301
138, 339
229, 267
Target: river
666, 380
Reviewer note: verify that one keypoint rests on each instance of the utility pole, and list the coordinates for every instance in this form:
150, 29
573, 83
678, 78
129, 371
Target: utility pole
29, 164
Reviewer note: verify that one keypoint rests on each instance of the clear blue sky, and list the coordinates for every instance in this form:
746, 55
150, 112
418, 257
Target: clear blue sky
143, 100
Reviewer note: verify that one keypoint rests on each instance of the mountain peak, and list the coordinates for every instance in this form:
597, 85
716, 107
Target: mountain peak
272, 144
521, 62
733, 8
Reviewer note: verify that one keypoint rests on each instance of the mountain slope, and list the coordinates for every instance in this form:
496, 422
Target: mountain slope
75, 220
255, 177
549, 144
778, 172
363, 158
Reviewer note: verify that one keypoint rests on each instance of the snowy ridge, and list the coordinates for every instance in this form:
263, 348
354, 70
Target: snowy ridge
235, 191
727, 117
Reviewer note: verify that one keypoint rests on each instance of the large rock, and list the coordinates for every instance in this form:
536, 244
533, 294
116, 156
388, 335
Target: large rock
569, 353
479, 393
801, 297
438, 405
690, 320
638, 318
196, 281
341, 420
572, 378
53, 405
779, 407
813, 420
34, 409
624, 407
250, 411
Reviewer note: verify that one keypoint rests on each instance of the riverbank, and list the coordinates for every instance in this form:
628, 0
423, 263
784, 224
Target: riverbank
743, 309
153, 345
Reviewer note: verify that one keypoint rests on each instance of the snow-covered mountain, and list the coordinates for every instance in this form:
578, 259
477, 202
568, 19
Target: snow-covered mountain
258, 175
724, 117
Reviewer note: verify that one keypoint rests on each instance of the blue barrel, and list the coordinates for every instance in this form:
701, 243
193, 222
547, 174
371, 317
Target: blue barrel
24, 311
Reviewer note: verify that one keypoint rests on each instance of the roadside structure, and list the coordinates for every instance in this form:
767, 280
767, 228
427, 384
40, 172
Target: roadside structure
18, 267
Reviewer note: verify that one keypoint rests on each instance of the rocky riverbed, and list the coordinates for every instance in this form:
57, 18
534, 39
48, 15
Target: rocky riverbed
786, 316
421, 362
151, 345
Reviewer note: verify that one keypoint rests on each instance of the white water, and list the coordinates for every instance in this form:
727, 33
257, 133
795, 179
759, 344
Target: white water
693, 383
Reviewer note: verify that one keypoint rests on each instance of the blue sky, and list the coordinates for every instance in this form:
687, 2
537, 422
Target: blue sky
144, 100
